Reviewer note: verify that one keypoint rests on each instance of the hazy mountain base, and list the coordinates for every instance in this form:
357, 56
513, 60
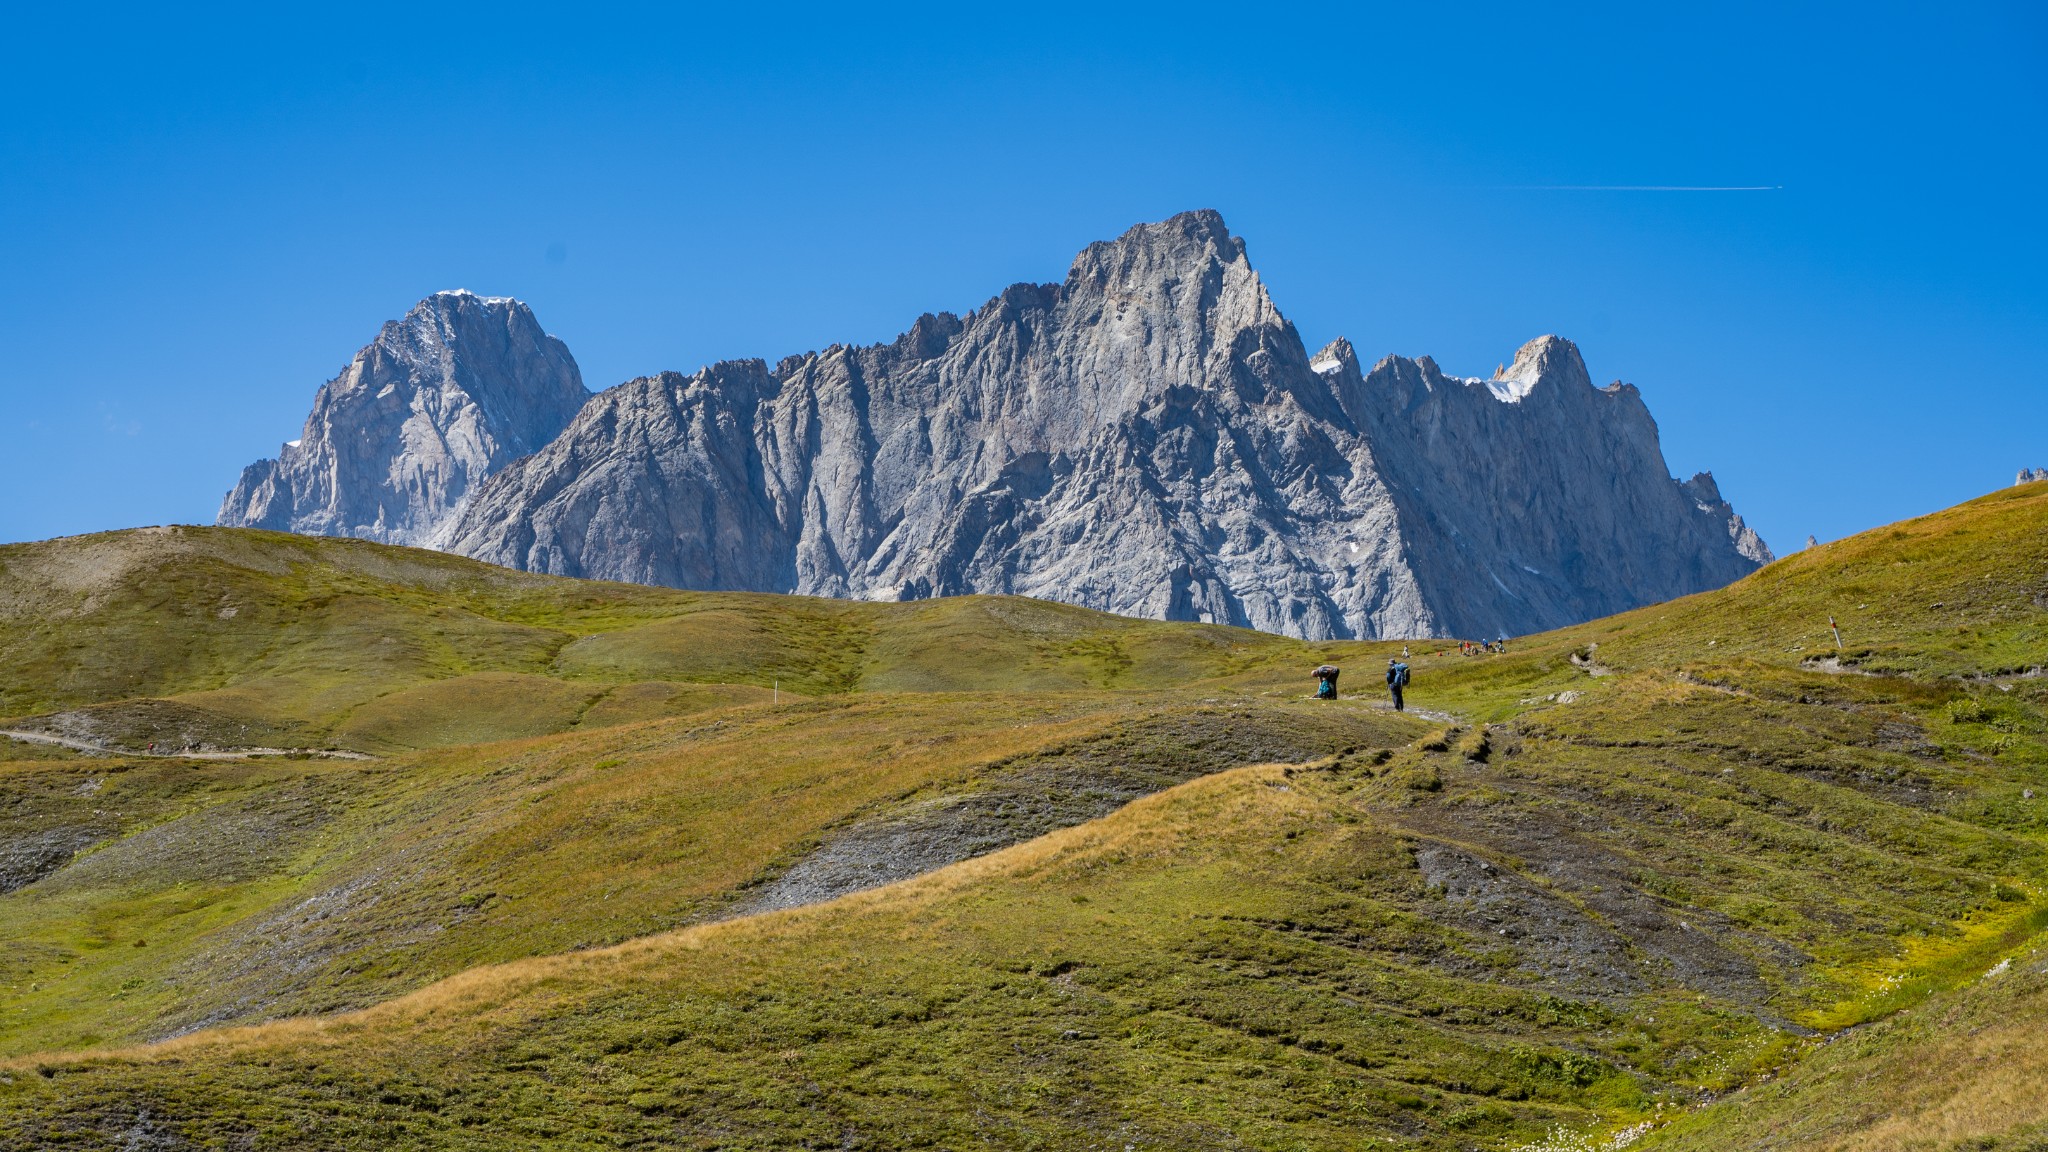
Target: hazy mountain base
1636, 889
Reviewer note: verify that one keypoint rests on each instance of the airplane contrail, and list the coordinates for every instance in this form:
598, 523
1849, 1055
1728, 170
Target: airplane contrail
1643, 188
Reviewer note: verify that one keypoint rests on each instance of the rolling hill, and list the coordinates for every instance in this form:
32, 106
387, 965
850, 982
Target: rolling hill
626, 867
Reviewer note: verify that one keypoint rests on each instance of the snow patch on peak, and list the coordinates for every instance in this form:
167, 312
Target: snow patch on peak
1507, 385
464, 292
1509, 389
1546, 357
1333, 357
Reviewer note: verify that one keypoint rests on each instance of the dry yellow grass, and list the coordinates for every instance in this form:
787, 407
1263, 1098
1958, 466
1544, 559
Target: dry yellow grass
1967, 1069
1157, 828
1965, 1089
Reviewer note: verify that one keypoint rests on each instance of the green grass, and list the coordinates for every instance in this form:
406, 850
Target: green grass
1961, 1069
317, 636
464, 856
1587, 903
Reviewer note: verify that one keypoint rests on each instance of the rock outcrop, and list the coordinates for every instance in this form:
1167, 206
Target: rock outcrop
460, 387
1148, 437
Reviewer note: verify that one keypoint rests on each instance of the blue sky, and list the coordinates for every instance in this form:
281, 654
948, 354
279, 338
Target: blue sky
203, 216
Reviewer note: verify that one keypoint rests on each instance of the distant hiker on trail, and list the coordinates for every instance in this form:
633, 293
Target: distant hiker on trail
1397, 679
1327, 689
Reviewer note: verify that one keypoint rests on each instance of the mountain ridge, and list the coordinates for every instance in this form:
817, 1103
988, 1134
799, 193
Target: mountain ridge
1148, 436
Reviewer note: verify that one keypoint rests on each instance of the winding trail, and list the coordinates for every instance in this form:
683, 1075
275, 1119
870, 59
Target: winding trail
30, 737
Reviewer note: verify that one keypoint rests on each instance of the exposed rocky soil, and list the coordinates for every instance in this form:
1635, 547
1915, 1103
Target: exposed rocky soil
1017, 800
1588, 925
224, 842
164, 728
1553, 938
27, 857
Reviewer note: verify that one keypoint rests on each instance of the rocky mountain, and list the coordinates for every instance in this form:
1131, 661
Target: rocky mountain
1535, 498
1148, 437
460, 387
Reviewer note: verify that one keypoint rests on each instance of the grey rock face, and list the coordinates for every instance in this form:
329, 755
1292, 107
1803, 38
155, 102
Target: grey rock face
1148, 437
1533, 499
2031, 476
460, 387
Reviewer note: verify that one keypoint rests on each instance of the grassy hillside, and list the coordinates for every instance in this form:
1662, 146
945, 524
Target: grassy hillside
559, 765
216, 892
249, 636
1964, 1069
1685, 855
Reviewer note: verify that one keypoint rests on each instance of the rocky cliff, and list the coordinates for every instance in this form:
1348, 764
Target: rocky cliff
1148, 437
1534, 498
460, 387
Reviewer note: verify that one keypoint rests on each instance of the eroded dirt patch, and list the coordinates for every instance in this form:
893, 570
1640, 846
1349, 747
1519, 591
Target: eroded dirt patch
29, 856
1018, 800
1552, 938
164, 726
225, 842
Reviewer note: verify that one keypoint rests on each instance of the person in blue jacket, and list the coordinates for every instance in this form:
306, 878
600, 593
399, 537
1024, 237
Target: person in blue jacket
1397, 680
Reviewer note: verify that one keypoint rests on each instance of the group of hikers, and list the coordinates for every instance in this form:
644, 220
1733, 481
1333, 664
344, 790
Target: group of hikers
1397, 681
1397, 669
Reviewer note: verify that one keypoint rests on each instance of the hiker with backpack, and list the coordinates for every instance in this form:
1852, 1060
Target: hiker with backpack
1326, 687
1397, 679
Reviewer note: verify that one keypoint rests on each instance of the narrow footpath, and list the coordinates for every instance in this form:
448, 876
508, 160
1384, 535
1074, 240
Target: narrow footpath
29, 737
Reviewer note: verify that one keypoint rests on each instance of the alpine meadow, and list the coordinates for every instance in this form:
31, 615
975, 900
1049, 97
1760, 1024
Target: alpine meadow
1081, 577
323, 843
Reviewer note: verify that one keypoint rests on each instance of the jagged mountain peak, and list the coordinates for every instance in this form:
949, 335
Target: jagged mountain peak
1149, 437
1706, 497
459, 295
1195, 229
1337, 356
1703, 488
458, 387
1183, 244
1544, 360
448, 315
460, 305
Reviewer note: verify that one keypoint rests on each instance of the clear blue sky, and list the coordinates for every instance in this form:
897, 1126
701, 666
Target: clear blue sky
202, 217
